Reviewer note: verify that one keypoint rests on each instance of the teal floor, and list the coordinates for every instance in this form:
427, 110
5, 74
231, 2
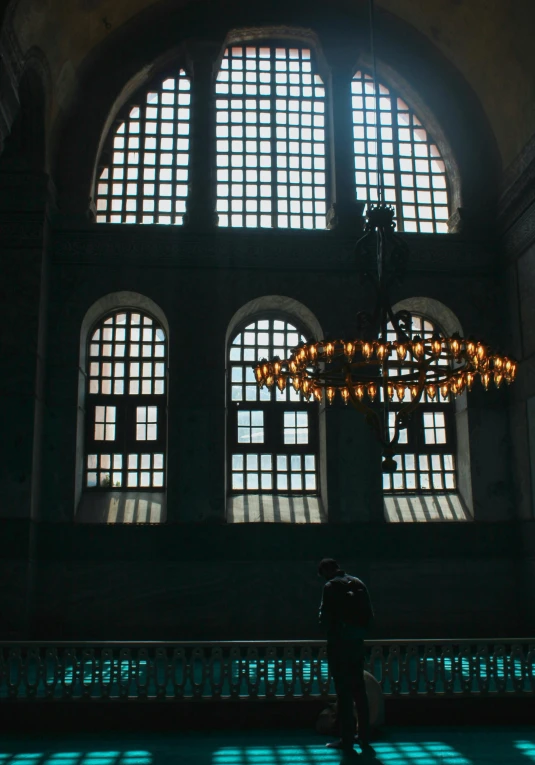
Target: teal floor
402, 746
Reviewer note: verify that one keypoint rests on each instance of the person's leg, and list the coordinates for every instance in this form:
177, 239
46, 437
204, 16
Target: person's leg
359, 694
346, 717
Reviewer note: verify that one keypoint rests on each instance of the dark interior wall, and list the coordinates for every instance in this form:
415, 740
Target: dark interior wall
192, 577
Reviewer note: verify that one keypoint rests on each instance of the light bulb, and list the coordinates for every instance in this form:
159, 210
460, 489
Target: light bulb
318, 394
417, 347
400, 390
281, 383
259, 374
414, 391
432, 391
485, 379
359, 392
444, 390
345, 395
328, 349
312, 352
455, 345
270, 380
471, 348
436, 346
498, 377
330, 394
296, 382
349, 350
372, 391
390, 390
498, 363
469, 380
383, 351
401, 351
276, 366
481, 351
367, 350
292, 366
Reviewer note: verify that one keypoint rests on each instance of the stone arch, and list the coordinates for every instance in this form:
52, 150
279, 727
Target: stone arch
290, 308
110, 302
449, 323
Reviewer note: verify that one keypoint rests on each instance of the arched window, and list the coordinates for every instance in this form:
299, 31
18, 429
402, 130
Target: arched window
414, 173
125, 404
272, 434
270, 106
144, 175
426, 453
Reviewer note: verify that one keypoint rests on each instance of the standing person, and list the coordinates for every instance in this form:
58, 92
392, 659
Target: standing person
346, 613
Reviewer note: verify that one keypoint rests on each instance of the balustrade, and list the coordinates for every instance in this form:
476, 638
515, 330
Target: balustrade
259, 670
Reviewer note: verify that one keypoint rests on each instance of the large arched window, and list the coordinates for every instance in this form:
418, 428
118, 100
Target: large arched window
270, 107
414, 173
143, 172
272, 434
425, 485
126, 416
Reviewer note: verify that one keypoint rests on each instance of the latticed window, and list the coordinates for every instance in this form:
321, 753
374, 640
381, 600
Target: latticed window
272, 433
426, 449
126, 414
270, 106
145, 177
414, 174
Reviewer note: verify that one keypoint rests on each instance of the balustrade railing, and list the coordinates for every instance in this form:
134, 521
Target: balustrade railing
258, 670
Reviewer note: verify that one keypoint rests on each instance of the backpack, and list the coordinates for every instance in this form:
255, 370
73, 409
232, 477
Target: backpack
354, 606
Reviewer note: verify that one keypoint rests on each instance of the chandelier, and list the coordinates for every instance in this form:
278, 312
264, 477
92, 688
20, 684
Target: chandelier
384, 371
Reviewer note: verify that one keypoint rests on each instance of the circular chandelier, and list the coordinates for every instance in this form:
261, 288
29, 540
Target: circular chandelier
384, 378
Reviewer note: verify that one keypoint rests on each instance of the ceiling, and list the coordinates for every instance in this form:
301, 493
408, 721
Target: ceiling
489, 42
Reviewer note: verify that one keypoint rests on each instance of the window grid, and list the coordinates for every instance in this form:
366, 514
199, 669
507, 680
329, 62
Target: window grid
146, 180
270, 139
273, 448
425, 450
414, 173
126, 391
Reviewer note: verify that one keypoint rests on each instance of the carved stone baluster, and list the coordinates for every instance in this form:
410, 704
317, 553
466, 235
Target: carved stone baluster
430, 658
51, 658
467, 666
306, 667
530, 667
179, 667
216, 660
483, 677
69, 672
161, 672
124, 677
14, 673
235, 673
502, 667
252, 660
198, 658
143, 673
88, 657
377, 657
413, 669
32, 666
107, 672
447, 668
518, 668
289, 658
322, 673
394, 669
271, 671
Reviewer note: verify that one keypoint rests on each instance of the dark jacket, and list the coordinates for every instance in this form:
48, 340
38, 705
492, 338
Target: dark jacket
329, 616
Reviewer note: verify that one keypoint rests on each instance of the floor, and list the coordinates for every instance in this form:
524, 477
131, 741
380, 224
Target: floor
402, 746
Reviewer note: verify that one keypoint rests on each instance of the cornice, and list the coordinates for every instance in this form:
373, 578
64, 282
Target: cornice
152, 246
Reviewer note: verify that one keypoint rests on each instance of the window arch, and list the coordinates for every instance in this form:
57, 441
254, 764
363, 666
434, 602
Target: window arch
270, 111
414, 172
426, 483
125, 403
273, 435
145, 176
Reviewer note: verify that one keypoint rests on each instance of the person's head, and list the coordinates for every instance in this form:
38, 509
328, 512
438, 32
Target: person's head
328, 567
